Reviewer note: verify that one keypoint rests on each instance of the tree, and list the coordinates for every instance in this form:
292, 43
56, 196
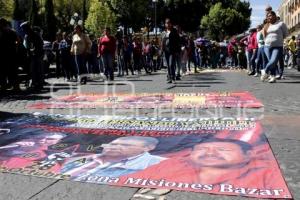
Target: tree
84, 12
133, 13
65, 9
18, 13
6, 8
221, 22
99, 17
34, 14
50, 21
187, 13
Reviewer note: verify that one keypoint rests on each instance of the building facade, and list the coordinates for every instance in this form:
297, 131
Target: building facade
289, 13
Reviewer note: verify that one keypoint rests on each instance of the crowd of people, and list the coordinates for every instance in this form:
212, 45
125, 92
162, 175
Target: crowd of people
79, 56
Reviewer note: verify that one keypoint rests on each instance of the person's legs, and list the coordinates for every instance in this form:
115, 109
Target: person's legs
281, 65
110, 66
178, 65
136, 63
253, 54
105, 65
119, 65
77, 61
126, 65
58, 68
66, 68
259, 62
248, 57
13, 78
274, 54
290, 61
298, 64
130, 65
3, 73
168, 57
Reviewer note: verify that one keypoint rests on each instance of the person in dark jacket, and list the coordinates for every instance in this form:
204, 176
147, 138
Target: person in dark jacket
8, 54
34, 45
171, 48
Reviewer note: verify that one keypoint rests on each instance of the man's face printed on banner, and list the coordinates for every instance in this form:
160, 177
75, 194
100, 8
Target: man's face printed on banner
49, 140
126, 148
219, 155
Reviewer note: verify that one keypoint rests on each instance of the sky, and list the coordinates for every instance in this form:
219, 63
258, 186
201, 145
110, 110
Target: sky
258, 10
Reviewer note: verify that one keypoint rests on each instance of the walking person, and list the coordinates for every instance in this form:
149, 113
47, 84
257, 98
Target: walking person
127, 55
55, 49
261, 58
171, 48
93, 63
252, 48
191, 48
274, 32
8, 54
292, 47
64, 48
34, 45
107, 50
80, 48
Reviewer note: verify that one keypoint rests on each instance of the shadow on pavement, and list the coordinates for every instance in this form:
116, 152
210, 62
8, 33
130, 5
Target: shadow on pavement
6, 115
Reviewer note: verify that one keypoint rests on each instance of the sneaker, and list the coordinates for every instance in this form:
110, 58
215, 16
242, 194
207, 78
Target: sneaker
251, 73
256, 75
264, 76
272, 79
170, 81
278, 77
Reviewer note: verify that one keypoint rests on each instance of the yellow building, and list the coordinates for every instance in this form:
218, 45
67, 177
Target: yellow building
289, 13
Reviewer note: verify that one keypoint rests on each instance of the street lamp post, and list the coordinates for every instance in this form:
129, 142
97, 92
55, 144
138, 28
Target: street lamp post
155, 10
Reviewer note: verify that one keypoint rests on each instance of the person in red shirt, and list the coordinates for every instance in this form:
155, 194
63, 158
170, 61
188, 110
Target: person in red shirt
253, 47
215, 162
25, 153
107, 48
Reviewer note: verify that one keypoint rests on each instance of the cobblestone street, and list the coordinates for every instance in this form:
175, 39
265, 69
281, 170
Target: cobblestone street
281, 117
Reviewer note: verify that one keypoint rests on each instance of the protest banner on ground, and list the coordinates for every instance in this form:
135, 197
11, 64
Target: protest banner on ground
155, 100
219, 156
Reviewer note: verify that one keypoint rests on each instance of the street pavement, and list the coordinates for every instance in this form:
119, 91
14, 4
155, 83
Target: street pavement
280, 118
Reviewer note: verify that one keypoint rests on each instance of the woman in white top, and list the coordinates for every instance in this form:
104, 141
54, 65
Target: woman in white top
81, 46
274, 33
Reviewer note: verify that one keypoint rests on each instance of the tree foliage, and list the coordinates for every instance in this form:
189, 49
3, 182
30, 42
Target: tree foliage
187, 13
34, 17
6, 8
65, 9
217, 17
224, 21
50, 21
18, 13
99, 17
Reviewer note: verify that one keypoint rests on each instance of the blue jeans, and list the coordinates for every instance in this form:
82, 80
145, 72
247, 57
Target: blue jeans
171, 63
80, 64
248, 57
261, 59
253, 54
274, 54
107, 59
